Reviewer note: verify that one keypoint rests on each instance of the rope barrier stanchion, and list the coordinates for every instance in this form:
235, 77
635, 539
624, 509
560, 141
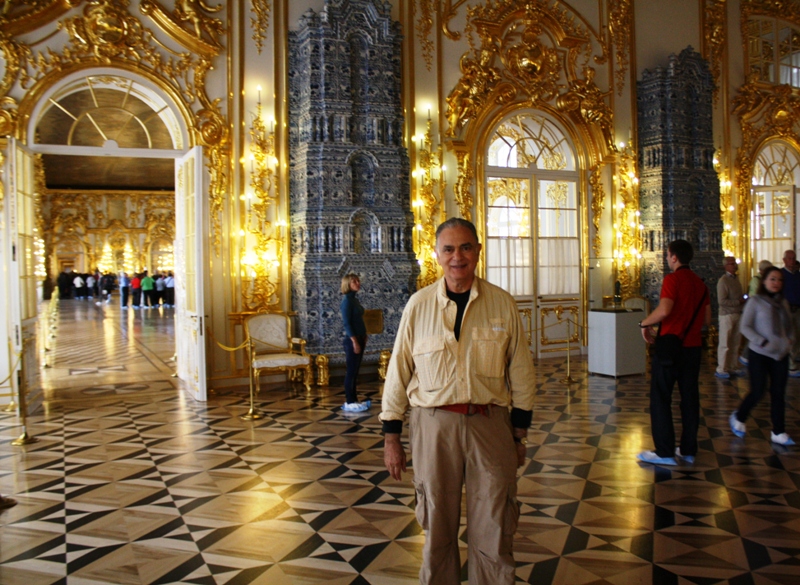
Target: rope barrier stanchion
568, 379
253, 413
24, 438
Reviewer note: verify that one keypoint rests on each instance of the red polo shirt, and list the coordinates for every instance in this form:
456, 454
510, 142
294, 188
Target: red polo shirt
685, 289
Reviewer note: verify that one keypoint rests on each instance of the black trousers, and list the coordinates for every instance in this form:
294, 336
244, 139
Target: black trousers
685, 371
123, 299
353, 360
761, 367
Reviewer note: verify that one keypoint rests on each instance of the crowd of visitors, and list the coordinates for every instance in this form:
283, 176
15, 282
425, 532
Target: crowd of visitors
141, 290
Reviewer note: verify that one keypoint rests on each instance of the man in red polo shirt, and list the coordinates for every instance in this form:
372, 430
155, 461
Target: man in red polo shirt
683, 310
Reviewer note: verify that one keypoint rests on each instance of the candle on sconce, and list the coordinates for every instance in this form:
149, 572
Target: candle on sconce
259, 95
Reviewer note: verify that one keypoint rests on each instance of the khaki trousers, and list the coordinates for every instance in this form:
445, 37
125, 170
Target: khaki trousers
450, 450
728, 346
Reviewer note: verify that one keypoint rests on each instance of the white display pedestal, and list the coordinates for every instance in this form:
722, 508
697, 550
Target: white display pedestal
616, 347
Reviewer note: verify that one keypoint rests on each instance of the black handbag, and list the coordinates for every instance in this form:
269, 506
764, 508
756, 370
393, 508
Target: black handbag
668, 347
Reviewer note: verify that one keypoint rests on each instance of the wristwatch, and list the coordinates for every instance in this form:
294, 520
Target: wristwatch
643, 326
521, 440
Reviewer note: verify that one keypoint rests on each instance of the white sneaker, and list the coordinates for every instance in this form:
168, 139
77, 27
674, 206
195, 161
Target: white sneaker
356, 406
687, 458
782, 439
738, 427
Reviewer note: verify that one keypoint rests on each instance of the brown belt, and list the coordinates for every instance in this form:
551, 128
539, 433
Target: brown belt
467, 409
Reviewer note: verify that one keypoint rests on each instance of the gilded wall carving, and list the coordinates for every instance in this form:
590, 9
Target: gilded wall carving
424, 28
260, 22
107, 33
620, 23
715, 15
83, 224
598, 204
532, 55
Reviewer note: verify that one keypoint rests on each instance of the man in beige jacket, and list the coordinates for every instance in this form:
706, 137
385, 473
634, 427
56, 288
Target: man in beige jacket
730, 299
461, 362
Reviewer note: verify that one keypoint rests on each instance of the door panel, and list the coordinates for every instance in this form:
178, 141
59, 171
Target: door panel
190, 276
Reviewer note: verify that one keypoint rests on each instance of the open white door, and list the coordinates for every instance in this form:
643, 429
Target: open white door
22, 316
190, 274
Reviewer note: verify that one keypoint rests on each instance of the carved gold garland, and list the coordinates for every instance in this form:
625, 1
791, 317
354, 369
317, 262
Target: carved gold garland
620, 21
424, 28
106, 34
715, 17
430, 184
598, 204
260, 22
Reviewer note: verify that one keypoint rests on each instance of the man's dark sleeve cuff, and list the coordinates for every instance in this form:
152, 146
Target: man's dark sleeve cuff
520, 419
392, 427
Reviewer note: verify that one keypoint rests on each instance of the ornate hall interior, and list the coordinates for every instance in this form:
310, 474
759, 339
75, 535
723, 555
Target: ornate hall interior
260, 151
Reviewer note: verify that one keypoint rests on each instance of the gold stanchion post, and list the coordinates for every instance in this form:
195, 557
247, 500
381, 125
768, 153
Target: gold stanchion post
253, 413
24, 438
568, 379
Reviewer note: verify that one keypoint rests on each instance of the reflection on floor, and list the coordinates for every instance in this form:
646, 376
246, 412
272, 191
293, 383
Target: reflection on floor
133, 482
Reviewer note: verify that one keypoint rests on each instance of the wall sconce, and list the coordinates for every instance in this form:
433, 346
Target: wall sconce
39, 269
261, 263
428, 186
628, 229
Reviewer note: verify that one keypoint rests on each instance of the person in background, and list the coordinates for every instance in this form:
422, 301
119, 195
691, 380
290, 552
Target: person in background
90, 282
791, 292
767, 324
731, 301
78, 283
354, 342
148, 286
124, 289
752, 287
683, 309
169, 287
160, 288
136, 290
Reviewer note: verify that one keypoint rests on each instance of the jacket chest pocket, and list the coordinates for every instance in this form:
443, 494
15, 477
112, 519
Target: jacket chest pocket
429, 362
488, 351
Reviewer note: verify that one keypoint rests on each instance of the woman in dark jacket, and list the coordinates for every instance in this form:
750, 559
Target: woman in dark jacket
354, 342
767, 324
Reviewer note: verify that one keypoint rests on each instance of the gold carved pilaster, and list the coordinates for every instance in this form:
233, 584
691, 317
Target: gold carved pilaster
598, 205
461, 189
428, 207
627, 227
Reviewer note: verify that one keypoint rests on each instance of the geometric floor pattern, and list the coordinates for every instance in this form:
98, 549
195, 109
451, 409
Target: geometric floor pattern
150, 487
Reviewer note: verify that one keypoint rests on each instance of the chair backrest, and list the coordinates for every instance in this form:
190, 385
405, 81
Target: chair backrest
269, 332
637, 303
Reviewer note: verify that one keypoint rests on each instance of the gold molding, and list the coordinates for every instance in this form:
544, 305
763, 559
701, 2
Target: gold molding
260, 22
557, 311
449, 11
18, 18
428, 207
188, 10
627, 227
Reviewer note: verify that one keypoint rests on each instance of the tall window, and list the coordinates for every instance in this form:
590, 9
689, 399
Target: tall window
773, 222
773, 50
532, 211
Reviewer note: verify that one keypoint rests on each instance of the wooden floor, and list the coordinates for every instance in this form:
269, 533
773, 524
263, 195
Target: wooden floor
132, 482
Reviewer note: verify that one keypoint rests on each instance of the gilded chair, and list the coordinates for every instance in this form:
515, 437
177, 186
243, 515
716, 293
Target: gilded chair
273, 349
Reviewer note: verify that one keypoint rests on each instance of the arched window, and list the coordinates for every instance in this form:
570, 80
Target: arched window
774, 228
532, 209
773, 50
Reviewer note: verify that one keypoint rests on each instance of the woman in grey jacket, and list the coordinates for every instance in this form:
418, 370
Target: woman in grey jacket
767, 324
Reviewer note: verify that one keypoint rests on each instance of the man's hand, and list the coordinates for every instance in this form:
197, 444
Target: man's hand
647, 334
393, 455
520, 454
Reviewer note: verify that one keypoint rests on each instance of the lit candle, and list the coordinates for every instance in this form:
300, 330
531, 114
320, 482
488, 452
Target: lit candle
259, 95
